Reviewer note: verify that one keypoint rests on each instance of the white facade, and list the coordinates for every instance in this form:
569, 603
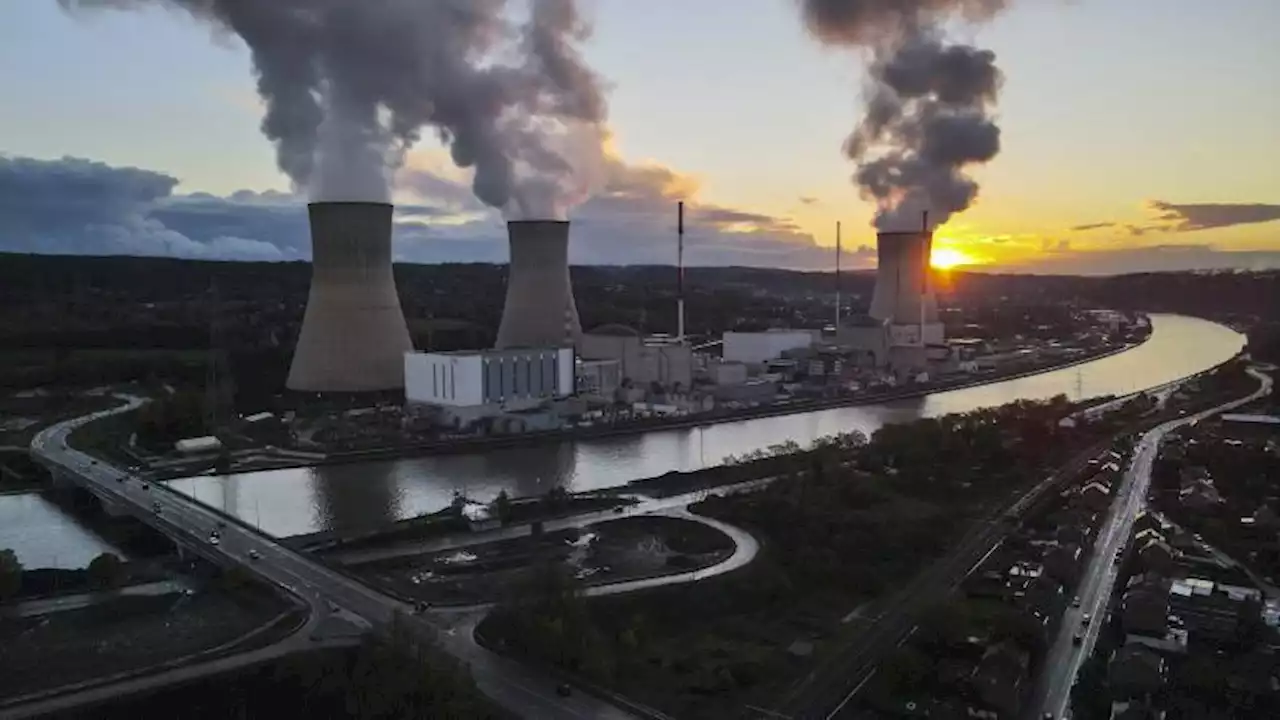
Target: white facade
756, 347
488, 377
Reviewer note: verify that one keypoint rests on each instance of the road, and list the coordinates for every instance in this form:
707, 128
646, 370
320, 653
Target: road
523, 690
828, 691
1053, 691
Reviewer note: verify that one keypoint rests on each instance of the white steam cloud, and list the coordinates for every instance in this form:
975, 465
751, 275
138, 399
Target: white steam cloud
350, 85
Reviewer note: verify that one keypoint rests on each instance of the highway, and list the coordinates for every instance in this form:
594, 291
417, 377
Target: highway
521, 689
1052, 694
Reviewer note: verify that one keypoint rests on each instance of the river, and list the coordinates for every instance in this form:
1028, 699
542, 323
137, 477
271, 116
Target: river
365, 495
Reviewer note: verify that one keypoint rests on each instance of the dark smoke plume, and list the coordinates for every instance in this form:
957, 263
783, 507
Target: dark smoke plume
930, 103
350, 85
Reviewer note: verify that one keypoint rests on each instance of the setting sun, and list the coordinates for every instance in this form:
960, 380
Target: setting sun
944, 258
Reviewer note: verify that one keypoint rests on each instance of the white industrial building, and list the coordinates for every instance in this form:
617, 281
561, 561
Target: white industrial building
470, 385
754, 348
599, 378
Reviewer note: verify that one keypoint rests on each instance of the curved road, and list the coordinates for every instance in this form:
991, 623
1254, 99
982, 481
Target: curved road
1053, 693
521, 689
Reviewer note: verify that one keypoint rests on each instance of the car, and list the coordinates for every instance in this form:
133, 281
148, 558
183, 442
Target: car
120, 479
254, 555
564, 690
155, 508
146, 486
1077, 639
1085, 620
1118, 559
617, 509
1075, 602
214, 540
1047, 716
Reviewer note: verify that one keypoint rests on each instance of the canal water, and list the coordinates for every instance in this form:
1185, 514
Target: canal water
43, 535
365, 495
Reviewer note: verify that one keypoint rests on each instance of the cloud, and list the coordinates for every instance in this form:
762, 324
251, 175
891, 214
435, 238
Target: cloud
1157, 258
77, 206
631, 220
808, 200
1170, 217
1207, 216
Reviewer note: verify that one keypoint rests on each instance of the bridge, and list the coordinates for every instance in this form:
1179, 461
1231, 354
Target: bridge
328, 595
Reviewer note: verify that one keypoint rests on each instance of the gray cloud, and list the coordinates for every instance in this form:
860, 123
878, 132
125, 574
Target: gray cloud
1190, 217
1092, 226
76, 206
1207, 216
1159, 258
808, 200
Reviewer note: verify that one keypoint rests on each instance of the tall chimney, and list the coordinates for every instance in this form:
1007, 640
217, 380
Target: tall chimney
837, 276
353, 336
680, 271
539, 310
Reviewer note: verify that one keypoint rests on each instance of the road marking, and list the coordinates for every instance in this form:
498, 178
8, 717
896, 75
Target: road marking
852, 692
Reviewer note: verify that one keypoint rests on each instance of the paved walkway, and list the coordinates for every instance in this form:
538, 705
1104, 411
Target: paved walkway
65, 603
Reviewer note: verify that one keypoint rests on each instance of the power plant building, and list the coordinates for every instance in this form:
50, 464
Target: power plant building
755, 348
540, 311
641, 360
353, 336
469, 385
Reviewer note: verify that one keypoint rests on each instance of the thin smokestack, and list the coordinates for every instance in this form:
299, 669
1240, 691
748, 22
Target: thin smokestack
838, 249
680, 271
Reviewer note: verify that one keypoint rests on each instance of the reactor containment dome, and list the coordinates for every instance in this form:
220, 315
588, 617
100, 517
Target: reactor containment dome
353, 336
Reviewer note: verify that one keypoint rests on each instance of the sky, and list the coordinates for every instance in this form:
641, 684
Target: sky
1136, 135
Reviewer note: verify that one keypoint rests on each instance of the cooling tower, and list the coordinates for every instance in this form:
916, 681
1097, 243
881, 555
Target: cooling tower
904, 282
353, 335
539, 311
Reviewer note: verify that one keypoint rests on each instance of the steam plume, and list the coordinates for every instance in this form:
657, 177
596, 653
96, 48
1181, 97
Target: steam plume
930, 103
350, 85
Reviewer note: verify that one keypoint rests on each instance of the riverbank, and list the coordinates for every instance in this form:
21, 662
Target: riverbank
463, 446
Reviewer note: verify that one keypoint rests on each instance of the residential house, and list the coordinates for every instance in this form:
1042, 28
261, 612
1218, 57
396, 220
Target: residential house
1063, 563
1145, 609
1201, 496
1095, 496
1155, 555
1135, 672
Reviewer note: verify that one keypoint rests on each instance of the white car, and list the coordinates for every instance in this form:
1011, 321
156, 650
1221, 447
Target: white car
254, 555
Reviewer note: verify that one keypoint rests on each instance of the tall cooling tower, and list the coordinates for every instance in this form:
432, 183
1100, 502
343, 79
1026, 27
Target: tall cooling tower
353, 335
904, 292
540, 311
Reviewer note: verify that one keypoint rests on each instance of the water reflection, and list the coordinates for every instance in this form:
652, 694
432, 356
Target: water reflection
293, 501
43, 536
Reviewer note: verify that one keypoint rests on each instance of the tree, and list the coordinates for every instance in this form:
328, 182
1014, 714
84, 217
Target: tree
106, 571
501, 507
10, 574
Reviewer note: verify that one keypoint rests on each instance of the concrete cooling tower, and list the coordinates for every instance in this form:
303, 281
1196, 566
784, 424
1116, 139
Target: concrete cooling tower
539, 311
904, 282
904, 297
353, 335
